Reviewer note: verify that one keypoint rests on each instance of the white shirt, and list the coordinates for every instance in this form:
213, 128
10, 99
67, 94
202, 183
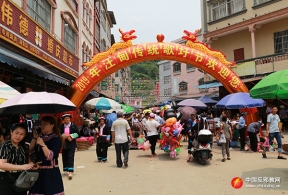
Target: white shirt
151, 127
120, 127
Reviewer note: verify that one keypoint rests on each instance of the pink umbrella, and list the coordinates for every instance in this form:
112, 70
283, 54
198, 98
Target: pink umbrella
186, 112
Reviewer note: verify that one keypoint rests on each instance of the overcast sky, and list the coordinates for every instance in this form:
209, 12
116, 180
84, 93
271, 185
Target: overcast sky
151, 17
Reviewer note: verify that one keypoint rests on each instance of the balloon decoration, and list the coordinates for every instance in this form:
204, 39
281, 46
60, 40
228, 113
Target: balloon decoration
171, 132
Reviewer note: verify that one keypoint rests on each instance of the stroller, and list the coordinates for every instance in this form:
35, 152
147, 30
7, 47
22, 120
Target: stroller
136, 129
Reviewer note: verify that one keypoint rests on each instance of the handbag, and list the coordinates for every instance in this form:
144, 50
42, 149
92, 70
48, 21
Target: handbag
25, 180
222, 139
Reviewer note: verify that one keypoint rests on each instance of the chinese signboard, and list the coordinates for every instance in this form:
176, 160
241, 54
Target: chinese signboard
17, 28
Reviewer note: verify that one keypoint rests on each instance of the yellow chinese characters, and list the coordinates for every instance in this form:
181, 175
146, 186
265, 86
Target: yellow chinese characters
58, 51
70, 60
6, 13
153, 49
23, 25
94, 72
224, 72
108, 63
50, 45
122, 56
138, 51
183, 51
199, 56
234, 82
168, 49
211, 63
65, 57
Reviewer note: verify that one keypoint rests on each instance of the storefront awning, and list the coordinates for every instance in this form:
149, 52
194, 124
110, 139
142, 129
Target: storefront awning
209, 85
14, 59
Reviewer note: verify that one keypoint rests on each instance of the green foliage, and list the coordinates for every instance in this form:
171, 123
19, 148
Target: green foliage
144, 76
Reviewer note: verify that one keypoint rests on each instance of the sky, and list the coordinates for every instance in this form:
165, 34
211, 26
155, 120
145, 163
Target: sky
152, 17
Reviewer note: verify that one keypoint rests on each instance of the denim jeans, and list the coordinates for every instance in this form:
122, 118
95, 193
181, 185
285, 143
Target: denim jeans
276, 135
125, 149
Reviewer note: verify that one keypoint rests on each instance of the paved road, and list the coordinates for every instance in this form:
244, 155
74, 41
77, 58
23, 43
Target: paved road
164, 176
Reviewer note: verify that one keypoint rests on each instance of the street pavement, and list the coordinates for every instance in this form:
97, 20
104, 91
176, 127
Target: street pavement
164, 176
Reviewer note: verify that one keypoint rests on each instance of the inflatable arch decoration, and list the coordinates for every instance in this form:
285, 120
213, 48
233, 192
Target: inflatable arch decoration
124, 53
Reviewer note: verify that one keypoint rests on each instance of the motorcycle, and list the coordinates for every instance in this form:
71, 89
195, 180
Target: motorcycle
202, 148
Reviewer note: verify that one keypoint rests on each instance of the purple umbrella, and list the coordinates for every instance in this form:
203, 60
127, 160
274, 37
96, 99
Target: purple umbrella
193, 103
239, 100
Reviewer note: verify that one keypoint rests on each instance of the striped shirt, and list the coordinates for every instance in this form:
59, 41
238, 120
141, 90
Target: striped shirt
13, 155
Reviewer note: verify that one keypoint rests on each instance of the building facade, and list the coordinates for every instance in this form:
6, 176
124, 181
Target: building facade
39, 44
254, 34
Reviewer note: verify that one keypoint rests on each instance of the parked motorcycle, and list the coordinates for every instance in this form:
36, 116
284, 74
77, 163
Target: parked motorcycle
202, 148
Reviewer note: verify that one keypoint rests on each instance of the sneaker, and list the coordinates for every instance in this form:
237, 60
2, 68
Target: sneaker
264, 156
125, 163
282, 157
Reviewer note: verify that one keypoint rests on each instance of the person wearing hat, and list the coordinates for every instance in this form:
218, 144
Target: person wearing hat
253, 129
69, 132
103, 140
242, 129
152, 132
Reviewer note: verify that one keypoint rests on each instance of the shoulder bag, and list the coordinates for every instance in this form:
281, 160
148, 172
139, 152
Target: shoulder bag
25, 180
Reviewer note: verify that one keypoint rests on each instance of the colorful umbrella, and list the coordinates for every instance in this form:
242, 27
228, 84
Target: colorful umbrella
186, 112
127, 108
239, 100
37, 103
102, 104
6, 92
272, 86
193, 103
110, 118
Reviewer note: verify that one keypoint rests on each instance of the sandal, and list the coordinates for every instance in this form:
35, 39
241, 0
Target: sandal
223, 160
228, 158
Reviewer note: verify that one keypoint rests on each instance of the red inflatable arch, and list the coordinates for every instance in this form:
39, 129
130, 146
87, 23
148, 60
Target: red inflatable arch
124, 53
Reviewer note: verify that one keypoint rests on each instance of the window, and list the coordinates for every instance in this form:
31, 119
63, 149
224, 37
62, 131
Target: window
238, 54
40, 11
167, 92
74, 5
97, 33
167, 79
223, 8
69, 37
183, 86
84, 11
190, 68
177, 67
166, 66
83, 56
281, 41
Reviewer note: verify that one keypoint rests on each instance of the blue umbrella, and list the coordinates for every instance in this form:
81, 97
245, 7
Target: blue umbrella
207, 100
239, 100
110, 118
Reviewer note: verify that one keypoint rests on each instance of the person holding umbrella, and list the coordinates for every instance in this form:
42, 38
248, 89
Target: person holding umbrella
69, 132
103, 140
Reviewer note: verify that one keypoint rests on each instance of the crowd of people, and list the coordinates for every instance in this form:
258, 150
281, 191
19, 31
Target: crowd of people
26, 147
